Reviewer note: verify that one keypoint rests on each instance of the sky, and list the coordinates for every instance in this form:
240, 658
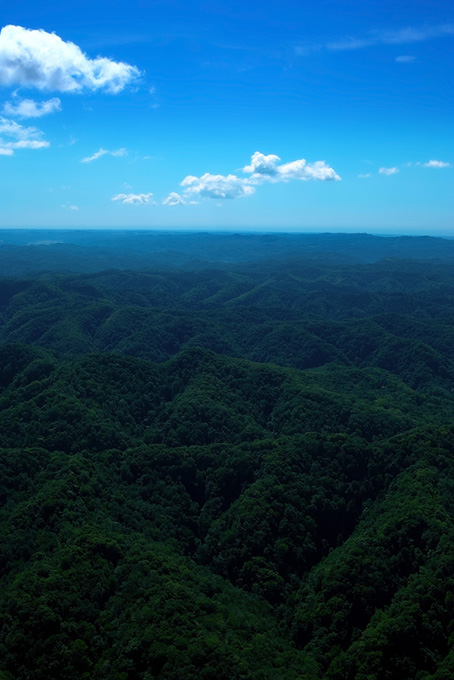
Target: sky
279, 115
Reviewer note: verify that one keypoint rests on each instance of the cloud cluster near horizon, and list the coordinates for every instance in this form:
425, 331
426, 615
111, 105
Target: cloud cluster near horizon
35, 58
261, 169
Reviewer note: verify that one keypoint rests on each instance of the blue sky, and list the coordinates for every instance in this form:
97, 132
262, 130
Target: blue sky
294, 116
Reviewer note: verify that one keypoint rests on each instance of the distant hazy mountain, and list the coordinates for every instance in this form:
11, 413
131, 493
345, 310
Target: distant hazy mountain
29, 251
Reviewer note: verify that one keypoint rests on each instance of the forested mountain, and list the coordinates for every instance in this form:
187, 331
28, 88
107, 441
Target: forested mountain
240, 471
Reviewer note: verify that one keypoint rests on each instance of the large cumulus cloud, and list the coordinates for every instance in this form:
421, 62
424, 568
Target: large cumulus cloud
35, 58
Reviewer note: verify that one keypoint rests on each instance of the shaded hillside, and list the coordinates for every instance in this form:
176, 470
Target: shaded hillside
267, 477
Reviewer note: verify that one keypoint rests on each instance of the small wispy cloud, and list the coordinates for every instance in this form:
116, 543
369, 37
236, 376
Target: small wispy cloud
28, 108
436, 164
411, 164
405, 59
134, 199
389, 171
98, 154
365, 175
399, 37
104, 152
427, 164
70, 207
15, 136
411, 34
402, 36
176, 199
154, 103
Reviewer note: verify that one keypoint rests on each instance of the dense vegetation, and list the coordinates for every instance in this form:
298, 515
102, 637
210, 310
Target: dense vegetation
241, 472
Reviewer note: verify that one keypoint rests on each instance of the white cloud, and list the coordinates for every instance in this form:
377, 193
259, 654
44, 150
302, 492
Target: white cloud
265, 168
388, 171
27, 108
137, 199
176, 199
365, 175
12, 129
305, 171
436, 164
35, 58
15, 136
70, 207
29, 144
405, 59
217, 186
98, 154
104, 152
262, 165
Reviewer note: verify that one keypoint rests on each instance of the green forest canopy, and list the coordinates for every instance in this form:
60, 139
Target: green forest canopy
240, 472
